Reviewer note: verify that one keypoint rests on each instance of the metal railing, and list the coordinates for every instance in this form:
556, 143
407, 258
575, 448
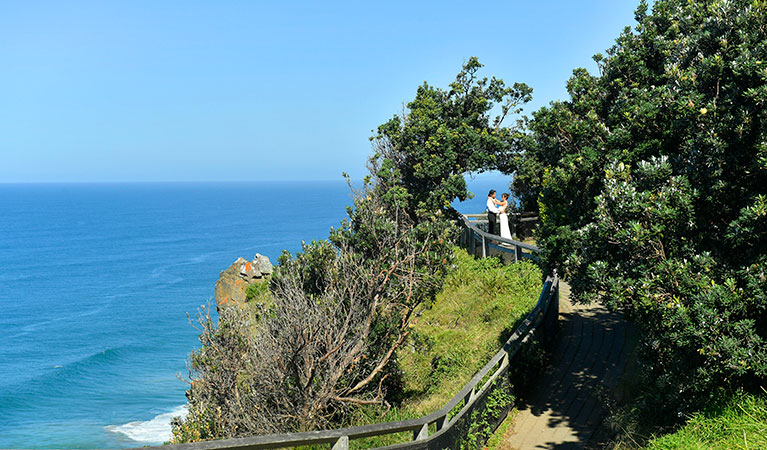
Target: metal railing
446, 427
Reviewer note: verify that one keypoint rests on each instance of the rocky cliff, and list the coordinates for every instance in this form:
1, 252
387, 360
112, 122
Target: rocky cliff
233, 282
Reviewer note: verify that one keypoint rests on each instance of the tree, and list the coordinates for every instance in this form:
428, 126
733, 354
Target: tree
651, 182
445, 134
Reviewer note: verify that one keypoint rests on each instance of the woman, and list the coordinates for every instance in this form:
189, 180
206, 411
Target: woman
504, 218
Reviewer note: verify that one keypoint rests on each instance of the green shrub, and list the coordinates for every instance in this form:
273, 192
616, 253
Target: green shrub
258, 292
482, 421
651, 182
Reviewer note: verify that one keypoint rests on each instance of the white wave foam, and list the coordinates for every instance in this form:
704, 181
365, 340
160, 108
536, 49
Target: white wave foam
153, 431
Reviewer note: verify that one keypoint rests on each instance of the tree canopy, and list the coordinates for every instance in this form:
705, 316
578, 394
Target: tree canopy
651, 183
444, 134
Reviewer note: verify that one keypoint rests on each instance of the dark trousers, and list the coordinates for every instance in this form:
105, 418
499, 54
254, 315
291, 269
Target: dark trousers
491, 220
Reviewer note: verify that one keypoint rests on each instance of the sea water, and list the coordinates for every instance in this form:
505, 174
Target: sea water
97, 282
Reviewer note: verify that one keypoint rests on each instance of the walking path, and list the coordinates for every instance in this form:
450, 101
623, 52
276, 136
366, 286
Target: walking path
566, 408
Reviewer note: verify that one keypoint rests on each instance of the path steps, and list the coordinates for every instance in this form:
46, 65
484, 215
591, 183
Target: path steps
566, 409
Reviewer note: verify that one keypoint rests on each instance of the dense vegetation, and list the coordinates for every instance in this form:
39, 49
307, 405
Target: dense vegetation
321, 343
738, 422
651, 183
479, 305
325, 339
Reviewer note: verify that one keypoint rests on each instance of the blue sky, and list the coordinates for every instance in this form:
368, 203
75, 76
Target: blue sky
246, 90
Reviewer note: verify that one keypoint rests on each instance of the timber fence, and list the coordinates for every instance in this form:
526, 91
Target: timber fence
452, 426
483, 244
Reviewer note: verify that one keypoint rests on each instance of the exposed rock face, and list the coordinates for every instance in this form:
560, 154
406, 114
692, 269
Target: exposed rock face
234, 281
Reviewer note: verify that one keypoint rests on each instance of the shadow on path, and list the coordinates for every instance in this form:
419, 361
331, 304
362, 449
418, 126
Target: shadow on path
566, 409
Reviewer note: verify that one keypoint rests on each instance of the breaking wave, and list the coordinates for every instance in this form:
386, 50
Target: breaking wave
155, 431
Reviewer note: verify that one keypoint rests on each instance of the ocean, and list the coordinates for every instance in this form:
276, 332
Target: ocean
97, 282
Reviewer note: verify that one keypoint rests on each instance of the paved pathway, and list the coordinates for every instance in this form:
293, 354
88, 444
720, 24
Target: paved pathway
566, 408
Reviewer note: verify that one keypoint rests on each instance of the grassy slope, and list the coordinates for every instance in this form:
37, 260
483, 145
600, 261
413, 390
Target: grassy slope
474, 314
740, 422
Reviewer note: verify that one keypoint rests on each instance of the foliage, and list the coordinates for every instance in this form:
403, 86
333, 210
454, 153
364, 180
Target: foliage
445, 133
651, 183
223, 357
326, 343
499, 439
738, 422
483, 421
258, 292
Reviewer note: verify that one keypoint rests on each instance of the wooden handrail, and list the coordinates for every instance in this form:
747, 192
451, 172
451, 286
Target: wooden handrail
495, 237
483, 217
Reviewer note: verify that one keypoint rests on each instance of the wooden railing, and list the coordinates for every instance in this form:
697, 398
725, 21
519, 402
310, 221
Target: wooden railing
448, 426
490, 243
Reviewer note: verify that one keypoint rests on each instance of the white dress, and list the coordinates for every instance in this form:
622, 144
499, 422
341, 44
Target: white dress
505, 231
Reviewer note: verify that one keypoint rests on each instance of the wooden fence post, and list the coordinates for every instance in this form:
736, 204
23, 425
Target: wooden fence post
514, 218
341, 444
421, 433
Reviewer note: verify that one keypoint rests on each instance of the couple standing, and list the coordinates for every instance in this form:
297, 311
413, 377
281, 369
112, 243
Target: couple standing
496, 211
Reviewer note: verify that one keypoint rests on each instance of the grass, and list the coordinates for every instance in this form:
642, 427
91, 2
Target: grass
738, 422
735, 421
476, 312
452, 339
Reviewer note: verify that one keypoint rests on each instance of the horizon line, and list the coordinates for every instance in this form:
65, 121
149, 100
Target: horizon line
173, 181
269, 180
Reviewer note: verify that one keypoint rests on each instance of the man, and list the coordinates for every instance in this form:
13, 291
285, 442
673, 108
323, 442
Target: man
492, 211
